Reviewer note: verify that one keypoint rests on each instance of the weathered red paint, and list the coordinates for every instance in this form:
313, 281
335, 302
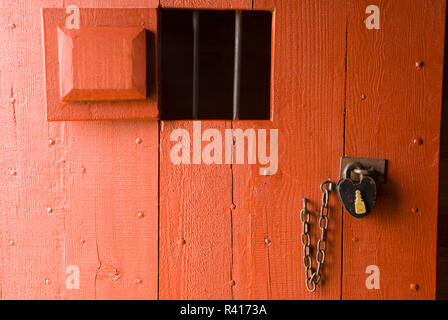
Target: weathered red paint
403, 105
102, 63
88, 193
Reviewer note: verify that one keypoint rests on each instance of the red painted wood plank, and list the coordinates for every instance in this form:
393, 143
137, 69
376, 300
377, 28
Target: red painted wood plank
55, 213
114, 3
207, 4
402, 105
195, 220
31, 246
112, 206
307, 109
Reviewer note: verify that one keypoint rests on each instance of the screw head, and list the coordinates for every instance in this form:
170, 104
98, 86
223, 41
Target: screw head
82, 241
419, 65
232, 206
13, 172
414, 210
83, 170
51, 141
267, 241
181, 242
139, 281
50, 210
139, 141
363, 97
47, 281
140, 215
232, 283
355, 239
12, 26
11, 243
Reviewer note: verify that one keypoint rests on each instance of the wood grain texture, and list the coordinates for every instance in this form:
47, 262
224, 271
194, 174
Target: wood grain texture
31, 248
308, 79
195, 222
196, 255
102, 63
100, 110
402, 104
207, 4
70, 191
113, 3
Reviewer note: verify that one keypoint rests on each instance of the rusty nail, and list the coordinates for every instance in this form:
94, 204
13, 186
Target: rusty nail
13, 172
232, 283
140, 215
139, 141
419, 65
12, 243
414, 286
51, 141
83, 170
181, 242
12, 25
47, 281
414, 210
13, 100
232, 206
355, 239
267, 241
82, 241
50, 210
363, 97
139, 281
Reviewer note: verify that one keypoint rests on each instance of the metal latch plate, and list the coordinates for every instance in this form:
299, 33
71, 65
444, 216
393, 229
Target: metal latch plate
379, 165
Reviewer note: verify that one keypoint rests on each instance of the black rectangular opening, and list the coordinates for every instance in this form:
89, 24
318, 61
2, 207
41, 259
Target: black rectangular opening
211, 79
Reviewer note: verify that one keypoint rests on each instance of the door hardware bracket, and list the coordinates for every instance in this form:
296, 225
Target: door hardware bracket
378, 168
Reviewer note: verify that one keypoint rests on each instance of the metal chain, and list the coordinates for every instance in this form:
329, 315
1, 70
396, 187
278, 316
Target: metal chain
312, 279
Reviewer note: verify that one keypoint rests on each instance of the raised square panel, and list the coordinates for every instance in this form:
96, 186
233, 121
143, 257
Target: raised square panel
106, 70
102, 63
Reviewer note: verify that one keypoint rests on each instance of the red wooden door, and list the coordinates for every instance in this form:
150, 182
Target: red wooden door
105, 196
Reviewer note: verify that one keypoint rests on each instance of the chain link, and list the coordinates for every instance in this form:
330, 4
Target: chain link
312, 279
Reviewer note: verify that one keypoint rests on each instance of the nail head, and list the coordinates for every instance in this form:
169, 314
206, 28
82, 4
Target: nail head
418, 141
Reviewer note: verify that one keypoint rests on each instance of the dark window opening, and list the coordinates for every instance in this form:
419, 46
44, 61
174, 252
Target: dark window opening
203, 76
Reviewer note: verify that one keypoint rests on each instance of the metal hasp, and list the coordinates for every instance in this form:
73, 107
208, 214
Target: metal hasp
357, 185
377, 168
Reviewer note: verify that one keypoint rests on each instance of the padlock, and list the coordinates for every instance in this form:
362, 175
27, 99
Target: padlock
357, 196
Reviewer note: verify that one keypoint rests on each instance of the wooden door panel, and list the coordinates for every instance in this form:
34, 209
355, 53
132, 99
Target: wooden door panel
308, 76
393, 112
74, 189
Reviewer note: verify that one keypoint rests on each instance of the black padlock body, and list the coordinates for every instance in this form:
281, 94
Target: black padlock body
346, 190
